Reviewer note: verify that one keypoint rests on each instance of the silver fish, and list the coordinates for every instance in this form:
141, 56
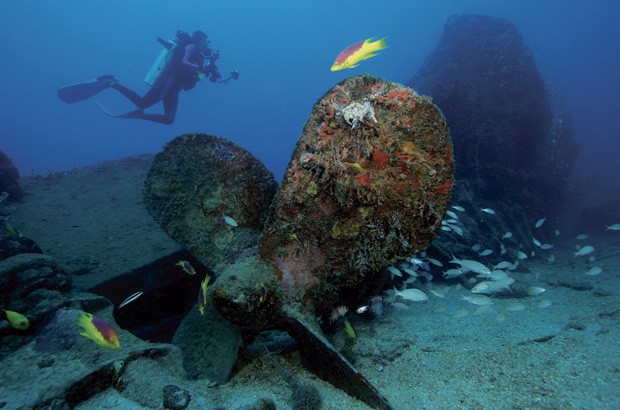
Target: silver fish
410, 272
435, 262
503, 265
452, 214
498, 275
453, 273
479, 300
471, 265
229, 221
457, 229
535, 290
394, 271
413, 294
362, 309
586, 250
416, 261
493, 286
438, 293
337, 313
130, 299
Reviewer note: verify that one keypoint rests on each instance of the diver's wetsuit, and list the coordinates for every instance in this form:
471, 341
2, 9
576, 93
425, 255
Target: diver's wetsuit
179, 74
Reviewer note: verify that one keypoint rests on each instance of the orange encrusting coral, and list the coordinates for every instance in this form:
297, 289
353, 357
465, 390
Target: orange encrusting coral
444, 187
379, 159
406, 158
325, 130
399, 94
397, 99
362, 180
332, 113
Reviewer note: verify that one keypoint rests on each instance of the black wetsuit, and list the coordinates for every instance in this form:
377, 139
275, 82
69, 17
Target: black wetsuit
178, 74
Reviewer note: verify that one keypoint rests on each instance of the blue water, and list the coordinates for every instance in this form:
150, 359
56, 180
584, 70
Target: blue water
283, 50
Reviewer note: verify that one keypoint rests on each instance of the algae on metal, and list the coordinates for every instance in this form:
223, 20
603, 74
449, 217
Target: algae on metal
355, 199
248, 294
197, 181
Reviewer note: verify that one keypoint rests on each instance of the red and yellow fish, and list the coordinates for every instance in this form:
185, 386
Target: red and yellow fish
98, 330
187, 267
352, 55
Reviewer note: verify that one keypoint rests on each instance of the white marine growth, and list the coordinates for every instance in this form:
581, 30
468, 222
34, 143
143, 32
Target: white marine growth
356, 112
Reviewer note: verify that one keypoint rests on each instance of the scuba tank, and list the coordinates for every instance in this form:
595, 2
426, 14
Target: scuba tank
160, 63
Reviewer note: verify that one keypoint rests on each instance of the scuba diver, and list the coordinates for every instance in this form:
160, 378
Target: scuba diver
184, 61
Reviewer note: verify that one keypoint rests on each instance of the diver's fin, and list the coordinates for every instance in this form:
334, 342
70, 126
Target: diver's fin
81, 91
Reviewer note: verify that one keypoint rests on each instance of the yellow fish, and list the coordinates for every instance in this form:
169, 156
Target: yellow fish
98, 330
349, 328
351, 163
352, 55
12, 230
202, 295
187, 267
355, 165
18, 321
263, 293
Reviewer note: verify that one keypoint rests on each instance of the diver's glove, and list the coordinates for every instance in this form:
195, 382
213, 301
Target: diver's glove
210, 71
215, 74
